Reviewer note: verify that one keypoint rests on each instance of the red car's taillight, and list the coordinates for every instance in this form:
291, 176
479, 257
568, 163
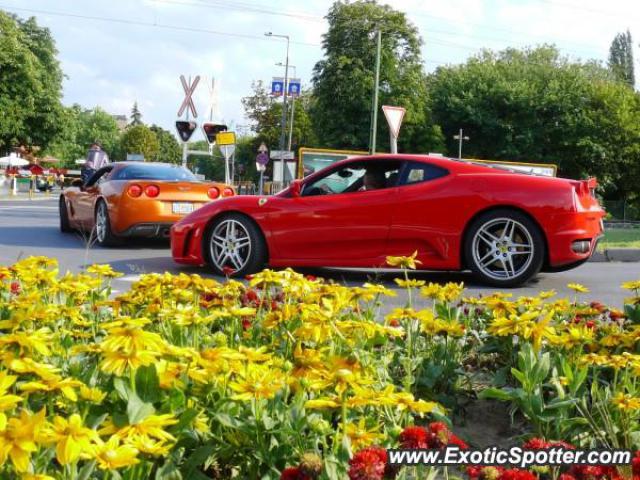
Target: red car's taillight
227, 192
213, 193
152, 191
134, 190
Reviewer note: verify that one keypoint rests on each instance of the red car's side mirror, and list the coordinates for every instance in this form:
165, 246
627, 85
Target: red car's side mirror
295, 188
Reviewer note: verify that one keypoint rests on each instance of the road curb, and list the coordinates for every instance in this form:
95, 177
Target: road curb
617, 255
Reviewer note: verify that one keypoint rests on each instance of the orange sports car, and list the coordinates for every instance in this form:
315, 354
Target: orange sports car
128, 199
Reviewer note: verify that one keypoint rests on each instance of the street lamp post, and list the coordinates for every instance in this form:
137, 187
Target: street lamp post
460, 139
293, 104
284, 104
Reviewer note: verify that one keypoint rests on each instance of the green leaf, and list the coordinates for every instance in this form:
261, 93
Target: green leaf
184, 420
227, 420
137, 410
496, 394
148, 384
196, 460
85, 472
122, 388
168, 471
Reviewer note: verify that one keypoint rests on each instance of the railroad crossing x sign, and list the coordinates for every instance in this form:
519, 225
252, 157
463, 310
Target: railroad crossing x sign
188, 92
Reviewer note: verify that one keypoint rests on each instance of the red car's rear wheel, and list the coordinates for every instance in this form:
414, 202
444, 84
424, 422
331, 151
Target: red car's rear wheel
235, 246
504, 248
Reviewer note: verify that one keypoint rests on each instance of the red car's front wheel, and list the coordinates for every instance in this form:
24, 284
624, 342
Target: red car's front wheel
235, 246
504, 248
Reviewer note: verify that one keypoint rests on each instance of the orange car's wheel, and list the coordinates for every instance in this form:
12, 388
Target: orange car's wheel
65, 226
104, 234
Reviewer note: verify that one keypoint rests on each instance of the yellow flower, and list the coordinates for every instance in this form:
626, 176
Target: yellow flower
152, 426
256, 382
322, 403
20, 439
576, 287
94, 395
7, 401
118, 362
410, 283
632, 285
72, 438
32, 342
151, 447
404, 262
111, 455
103, 271
36, 476
626, 402
50, 384
360, 436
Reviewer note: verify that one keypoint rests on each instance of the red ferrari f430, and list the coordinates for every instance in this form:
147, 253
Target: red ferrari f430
502, 225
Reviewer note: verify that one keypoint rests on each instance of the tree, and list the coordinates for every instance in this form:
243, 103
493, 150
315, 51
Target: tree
79, 128
534, 105
136, 116
169, 149
30, 83
343, 81
140, 140
621, 58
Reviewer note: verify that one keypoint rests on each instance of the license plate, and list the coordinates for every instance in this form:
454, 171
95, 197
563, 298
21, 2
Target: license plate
182, 208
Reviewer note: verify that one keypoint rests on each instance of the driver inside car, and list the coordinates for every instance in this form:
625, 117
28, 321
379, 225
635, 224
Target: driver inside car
374, 179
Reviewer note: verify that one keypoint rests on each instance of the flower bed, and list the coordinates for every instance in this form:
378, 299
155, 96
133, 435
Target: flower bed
287, 376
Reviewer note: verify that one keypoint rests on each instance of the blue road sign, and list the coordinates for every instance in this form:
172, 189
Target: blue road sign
277, 86
294, 87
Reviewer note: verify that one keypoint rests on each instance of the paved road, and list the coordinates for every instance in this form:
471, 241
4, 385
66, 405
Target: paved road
31, 228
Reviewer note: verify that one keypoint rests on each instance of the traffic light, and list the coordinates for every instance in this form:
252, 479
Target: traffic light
211, 130
185, 129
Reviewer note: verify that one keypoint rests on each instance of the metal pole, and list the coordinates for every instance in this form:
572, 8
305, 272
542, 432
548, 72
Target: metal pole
184, 144
283, 131
261, 183
374, 107
293, 108
460, 145
393, 141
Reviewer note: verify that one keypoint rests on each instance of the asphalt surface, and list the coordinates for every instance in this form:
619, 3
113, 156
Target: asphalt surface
30, 227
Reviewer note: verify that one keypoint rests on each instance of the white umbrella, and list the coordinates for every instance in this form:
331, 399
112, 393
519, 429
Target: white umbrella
13, 161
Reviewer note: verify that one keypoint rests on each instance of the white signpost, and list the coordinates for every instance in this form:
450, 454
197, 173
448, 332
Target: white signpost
394, 116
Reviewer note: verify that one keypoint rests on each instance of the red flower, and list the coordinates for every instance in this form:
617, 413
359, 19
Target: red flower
635, 463
15, 288
440, 434
588, 472
228, 271
311, 278
535, 444
590, 324
455, 440
246, 323
598, 306
566, 476
414, 437
368, 464
517, 474
292, 473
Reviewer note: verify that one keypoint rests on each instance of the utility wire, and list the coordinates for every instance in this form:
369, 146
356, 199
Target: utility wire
147, 24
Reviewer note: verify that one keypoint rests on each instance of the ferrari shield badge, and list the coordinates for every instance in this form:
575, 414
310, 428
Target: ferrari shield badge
262, 201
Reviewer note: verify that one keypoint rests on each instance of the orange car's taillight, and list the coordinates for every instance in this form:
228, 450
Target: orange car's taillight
213, 193
152, 191
227, 192
134, 190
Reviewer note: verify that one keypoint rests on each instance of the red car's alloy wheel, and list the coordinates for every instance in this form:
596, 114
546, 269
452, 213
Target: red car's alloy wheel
230, 245
504, 248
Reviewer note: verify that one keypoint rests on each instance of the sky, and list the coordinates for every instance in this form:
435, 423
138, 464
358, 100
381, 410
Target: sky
117, 52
